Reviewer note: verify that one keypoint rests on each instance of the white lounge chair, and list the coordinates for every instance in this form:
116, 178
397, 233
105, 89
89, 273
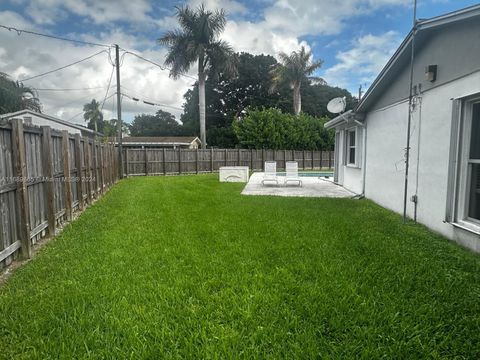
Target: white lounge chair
292, 173
270, 174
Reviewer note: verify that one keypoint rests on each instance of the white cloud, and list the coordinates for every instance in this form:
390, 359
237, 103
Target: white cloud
28, 55
100, 12
319, 17
364, 60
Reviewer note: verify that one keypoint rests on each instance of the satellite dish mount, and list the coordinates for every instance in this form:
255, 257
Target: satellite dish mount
337, 105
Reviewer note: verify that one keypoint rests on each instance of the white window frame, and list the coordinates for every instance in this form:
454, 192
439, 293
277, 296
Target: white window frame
462, 185
357, 147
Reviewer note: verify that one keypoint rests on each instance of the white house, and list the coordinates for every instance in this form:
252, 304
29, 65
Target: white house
39, 119
444, 173
173, 142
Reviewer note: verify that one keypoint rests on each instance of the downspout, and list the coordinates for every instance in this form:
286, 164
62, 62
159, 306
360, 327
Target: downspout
364, 172
415, 202
409, 121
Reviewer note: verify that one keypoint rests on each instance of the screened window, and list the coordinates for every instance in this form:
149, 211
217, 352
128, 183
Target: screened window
351, 147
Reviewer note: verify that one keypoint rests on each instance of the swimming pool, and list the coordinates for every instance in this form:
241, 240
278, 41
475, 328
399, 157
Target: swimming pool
311, 174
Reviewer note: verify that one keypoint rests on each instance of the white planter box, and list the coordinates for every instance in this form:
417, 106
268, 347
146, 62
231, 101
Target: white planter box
234, 174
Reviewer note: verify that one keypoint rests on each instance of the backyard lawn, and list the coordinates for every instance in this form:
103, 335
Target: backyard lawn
186, 267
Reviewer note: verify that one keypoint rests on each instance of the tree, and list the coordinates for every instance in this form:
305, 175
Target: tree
296, 69
94, 116
161, 124
229, 97
198, 42
273, 129
14, 96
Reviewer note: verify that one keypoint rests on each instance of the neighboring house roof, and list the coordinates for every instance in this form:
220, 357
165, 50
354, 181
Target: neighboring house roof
47, 117
160, 140
401, 58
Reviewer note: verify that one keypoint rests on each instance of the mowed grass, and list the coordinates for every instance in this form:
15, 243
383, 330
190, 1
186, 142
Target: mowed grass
186, 267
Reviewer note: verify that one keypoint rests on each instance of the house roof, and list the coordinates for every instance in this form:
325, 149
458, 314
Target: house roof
165, 140
347, 117
47, 117
424, 30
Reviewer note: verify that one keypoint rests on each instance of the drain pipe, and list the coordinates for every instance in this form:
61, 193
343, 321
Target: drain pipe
364, 166
409, 122
415, 197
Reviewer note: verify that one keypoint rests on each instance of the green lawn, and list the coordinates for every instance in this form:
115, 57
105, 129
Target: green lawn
186, 267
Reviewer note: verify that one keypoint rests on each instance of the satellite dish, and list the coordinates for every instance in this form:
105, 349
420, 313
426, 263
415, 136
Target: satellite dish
337, 105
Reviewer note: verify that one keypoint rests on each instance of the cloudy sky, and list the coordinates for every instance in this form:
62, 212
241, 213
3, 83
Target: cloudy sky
355, 38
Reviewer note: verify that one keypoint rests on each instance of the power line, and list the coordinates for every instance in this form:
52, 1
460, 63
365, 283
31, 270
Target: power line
156, 64
63, 67
70, 89
20, 31
108, 87
152, 103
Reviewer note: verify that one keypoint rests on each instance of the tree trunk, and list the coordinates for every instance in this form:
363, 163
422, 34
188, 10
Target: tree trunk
201, 102
297, 99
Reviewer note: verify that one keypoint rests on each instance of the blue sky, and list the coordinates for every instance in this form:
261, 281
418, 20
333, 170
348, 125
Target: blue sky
355, 38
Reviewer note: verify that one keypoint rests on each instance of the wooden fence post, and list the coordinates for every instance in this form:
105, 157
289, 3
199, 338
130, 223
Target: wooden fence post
196, 161
313, 165
303, 159
226, 157
100, 156
20, 165
238, 157
263, 159
78, 160
67, 186
321, 160
211, 160
251, 160
329, 159
145, 153
285, 159
88, 164
49, 183
179, 161
126, 162
164, 162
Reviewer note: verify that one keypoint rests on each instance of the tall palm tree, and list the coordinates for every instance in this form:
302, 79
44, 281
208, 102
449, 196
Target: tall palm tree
198, 42
15, 96
296, 69
93, 114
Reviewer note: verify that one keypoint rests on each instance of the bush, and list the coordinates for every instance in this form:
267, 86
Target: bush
272, 129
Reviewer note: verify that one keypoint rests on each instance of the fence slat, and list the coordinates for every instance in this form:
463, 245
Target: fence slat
20, 166
48, 173
67, 186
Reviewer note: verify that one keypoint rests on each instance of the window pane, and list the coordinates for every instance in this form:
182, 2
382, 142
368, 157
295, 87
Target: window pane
474, 201
351, 156
475, 139
352, 138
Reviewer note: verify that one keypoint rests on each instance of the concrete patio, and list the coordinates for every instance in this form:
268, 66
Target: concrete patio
312, 187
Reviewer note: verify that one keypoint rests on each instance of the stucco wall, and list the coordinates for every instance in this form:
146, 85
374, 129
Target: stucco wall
455, 49
386, 141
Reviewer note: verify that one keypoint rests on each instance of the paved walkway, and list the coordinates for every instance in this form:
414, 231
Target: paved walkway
312, 187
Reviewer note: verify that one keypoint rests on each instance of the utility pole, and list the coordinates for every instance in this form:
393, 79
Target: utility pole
360, 93
119, 114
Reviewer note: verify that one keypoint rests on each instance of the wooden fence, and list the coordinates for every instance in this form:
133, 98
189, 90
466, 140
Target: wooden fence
151, 161
46, 176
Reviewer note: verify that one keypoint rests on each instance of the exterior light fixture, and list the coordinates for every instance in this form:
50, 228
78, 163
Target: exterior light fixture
431, 73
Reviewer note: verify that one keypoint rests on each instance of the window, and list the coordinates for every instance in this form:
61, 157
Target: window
351, 147
463, 195
473, 167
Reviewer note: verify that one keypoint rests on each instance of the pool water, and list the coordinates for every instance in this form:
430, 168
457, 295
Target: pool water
310, 174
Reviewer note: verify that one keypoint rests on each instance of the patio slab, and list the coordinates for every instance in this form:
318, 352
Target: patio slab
312, 187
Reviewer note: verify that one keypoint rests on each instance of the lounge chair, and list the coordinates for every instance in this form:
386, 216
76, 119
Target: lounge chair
292, 173
270, 172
